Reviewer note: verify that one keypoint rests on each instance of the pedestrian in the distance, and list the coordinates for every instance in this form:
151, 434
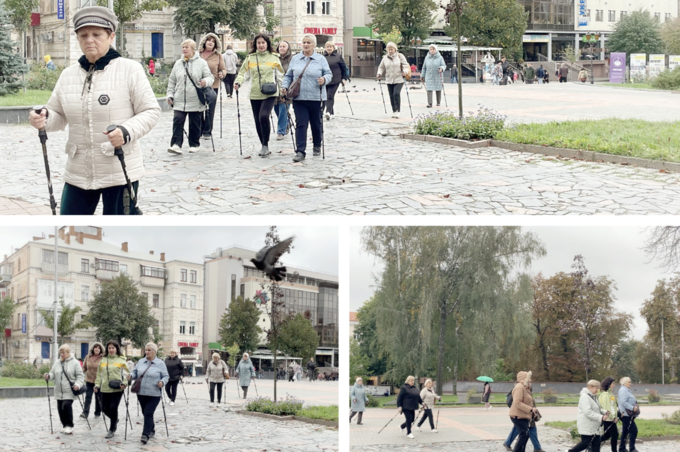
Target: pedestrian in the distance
408, 401
533, 432
311, 369
431, 74
583, 76
522, 409
210, 50
590, 418
152, 68
505, 75
496, 74
429, 398
563, 73
245, 373
175, 368
339, 69
608, 403
394, 68
282, 104
629, 409
486, 395
67, 377
90, 367
153, 375
231, 65
454, 74
359, 400
540, 74
216, 374
111, 383
130, 364
529, 74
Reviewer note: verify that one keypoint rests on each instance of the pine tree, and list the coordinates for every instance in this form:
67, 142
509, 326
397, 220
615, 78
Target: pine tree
11, 64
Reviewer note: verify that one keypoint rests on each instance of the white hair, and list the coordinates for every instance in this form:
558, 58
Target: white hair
310, 36
215, 355
152, 346
246, 355
65, 347
391, 44
359, 378
624, 380
190, 42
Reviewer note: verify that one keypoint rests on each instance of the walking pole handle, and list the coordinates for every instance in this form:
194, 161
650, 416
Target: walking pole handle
118, 150
41, 132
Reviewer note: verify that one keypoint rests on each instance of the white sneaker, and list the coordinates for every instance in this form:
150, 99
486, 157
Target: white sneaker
174, 149
194, 150
68, 430
410, 435
419, 429
172, 403
63, 430
212, 405
327, 116
396, 115
490, 406
434, 430
332, 117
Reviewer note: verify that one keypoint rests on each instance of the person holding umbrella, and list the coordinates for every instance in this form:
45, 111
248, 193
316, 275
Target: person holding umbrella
359, 400
486, 394
64, 372
407, 402
175, 368
245, 372
150, 375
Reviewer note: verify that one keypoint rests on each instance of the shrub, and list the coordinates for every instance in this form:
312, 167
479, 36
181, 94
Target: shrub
471, 392
372, 402
25, 371
43, 79
653, 396
669, 80
573, 431
549, 392
481, 126
287, 407
159, 84
673, 418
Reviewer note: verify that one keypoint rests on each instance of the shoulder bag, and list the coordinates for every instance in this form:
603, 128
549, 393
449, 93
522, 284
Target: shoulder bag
113, 384
205, 95
81, 390
138, 382
294, 88
635, 412
267, 88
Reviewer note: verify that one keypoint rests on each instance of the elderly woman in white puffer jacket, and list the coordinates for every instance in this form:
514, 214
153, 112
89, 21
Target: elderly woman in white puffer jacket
66, 375
590, 418
102, 89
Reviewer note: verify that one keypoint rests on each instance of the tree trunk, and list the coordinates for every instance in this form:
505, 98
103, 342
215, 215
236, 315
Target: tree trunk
276, 369
440, 361
455, 365
544, 353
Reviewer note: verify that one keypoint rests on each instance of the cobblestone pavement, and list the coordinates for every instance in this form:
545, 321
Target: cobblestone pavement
367, 170
192, 426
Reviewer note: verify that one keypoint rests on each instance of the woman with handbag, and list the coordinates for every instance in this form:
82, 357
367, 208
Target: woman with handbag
90, 366
339, 69
395, 68
216, 374
607, 401
590, 418
629, 409
305, 83
150, 375
110, 382
189, 77
282, 104
263, 67
68, 380
210, 50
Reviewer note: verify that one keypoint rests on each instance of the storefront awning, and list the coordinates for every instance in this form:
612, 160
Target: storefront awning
216, 346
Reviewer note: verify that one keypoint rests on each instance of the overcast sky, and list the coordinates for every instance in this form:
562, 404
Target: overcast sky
316, 248
611, 251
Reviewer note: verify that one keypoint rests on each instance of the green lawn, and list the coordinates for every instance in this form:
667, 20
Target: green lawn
626, 137
32, 97
629, 85
14, 382
647, 428
327, 413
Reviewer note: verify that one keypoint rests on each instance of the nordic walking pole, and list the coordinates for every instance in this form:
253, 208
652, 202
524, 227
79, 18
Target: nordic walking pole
167, 433
388, 422
323, 140
441, 77
181, 380
49, 404
238, 113
344, 88
383, 96
83, 408
42, 134
225, 85
127, 407
256, 393
101, 404
121, 156
409, 98
292, 128
437, 424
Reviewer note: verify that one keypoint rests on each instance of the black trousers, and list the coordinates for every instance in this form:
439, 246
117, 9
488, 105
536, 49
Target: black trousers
262, 109
88, 401
148, 404
307, 113
210, 114
214, 385
65, 410
229, 83
330, 95
610, 432
245, 391
171, 390
410, 416
427, 415
360, 413
117, 201
523, 429
195, 125
587, 440
395, 95
629, 430
110, 402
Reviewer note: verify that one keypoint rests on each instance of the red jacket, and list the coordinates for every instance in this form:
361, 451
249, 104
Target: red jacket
152, 67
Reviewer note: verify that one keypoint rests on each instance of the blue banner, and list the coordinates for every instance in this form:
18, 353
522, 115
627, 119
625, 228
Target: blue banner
60, 9
583, 13
23, 323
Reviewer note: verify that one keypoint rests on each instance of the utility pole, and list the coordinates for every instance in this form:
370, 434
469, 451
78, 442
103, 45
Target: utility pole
663, 355
456, 7
110, 6
55, 344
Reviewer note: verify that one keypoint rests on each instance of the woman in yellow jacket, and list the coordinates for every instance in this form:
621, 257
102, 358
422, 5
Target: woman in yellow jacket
111, 381
263, 67
608, 402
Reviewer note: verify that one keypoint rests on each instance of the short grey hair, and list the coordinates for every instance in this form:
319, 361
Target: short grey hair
215, 355
190, 42
152, 346
65, 347
593, 384
310, 36
391, 44
624, 380
359, 378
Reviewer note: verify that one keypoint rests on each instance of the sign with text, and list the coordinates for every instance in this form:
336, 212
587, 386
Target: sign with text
536, 38
187, 344
583, 13
321, 31
673, 62
23, 323
60, 9
657, 64
638, 66
617, 67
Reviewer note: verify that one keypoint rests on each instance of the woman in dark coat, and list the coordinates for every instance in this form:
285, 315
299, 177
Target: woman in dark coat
175, 368
339, 70
407, 402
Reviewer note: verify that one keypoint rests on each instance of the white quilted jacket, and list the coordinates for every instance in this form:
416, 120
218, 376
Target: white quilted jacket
119, 94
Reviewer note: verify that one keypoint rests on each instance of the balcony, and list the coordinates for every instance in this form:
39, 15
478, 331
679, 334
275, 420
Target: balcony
105, 275
6, 274
48, 267
152, 281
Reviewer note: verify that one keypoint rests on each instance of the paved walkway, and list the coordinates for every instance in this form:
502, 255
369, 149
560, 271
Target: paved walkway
495, 446
369, 170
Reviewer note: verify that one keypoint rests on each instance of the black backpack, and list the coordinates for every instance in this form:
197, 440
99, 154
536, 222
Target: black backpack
508, 399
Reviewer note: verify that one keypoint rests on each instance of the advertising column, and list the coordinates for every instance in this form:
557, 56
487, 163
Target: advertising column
617, 67
657, 64
638, 67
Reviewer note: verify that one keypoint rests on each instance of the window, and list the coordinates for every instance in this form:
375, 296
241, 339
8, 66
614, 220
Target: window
103, 264
193, 276
183, 300
612, 15
599, 15
233, 287
154, 272
326, 8
18, 292
48, 257
183, 273
84, 293
19, 265
657, 16
145, 295
123, 269
624, 14
156, 301
86, 230
243, 290
669, 17
156, 323
182, 327
192, 327
84, 265
192, 300
18, 321
310, 7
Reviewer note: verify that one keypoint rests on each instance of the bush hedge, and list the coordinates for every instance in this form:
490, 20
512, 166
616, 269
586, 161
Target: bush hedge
26, 371
290, 406
668, 80
42, 78
485, 124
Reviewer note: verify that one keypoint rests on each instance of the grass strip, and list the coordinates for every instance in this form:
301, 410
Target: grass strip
18, 382
326, 413
647, 428
30, 98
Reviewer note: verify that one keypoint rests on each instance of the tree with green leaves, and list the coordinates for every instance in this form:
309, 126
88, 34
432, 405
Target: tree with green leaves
367, 339
239, 325
413, 18
638, 32
298, 338
393, 36
20, 12
120, 312
67, 322
6, 314
12, 66
670, 34
358, 362
240, 16
128, 11
270, 20
234, 354
663, 323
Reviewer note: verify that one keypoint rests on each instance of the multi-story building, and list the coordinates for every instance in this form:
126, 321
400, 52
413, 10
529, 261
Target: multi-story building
229, 274
322, 18
85, 262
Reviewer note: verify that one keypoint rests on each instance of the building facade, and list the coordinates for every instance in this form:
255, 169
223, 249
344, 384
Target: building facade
230, 274
85, 262
322, 18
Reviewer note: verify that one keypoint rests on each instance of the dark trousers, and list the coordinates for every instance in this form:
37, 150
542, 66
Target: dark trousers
229, 83
262, 109
117, 201
171, 390
110, 402
610, 432
195, 125
563, 79
310, 373
148, 404
523, 429
88, 401
359, 417
427, 415
330, 95
429, 97
214, 385
587, 440
307, 113
395, 95
65, 410
410, 416
629, 430
210, 114
245, 391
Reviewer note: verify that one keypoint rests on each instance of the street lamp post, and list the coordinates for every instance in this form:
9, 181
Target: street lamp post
456, 7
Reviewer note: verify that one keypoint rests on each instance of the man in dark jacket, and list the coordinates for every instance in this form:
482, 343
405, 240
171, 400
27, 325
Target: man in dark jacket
529, 74
540, 74
176, 372
454, 74
505, 66
311, 367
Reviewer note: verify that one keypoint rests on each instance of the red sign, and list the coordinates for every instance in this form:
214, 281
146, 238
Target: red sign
187, 344
182, 344
8, 332
321, 31
35, 19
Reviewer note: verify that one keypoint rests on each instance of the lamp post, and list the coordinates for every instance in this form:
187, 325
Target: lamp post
456, 7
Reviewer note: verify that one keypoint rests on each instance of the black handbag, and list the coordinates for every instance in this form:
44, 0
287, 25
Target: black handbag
267, 88
81, 390
113, 384
205, 95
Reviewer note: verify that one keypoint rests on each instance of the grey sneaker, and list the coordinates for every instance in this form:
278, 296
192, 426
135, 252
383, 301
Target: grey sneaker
110, 434
507, 447
264, 152
279, 136
317, 151
83, 416
145, 439
299, 156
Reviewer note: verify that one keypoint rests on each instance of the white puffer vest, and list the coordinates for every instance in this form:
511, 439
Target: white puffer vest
119, 94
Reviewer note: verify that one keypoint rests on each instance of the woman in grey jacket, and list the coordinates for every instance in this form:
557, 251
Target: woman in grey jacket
359, 400
216, 372
431, 73
627, 402
154, 376
429, 399
245, 372
589, 419
65, 369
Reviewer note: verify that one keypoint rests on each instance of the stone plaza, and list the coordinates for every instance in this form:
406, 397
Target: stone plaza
369, 170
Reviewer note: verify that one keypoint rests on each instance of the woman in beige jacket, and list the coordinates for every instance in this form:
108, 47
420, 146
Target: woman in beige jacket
102, 89
210, 50
522, 409
394, 67
216, 373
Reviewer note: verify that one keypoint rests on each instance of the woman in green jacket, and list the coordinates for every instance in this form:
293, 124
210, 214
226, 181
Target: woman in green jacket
110, 378
608, 402
262, 66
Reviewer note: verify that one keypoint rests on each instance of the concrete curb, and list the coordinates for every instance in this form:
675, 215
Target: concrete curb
289, 418
576, 154
25, 391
